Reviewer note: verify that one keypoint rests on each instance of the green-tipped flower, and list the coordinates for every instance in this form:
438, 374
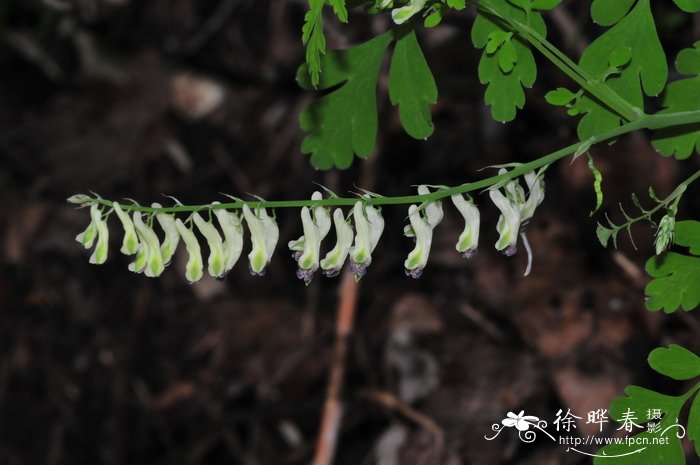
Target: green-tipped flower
535, 185
172, 237
233, 235
469, 239
216, 265
508, 224
665, 232
403, 14
306, 249
99, 255
369, 226
334, 260
130, 244
87, 237
264, 235
422, 230
195, 264
151, 248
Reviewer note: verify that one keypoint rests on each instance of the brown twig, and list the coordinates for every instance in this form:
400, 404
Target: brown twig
333, 407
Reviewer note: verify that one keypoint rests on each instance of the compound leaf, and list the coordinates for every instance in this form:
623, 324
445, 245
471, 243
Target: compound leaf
676, 276
412, 86
675, 362
682, 95
509, 68
646, 72
343, 122
312, 36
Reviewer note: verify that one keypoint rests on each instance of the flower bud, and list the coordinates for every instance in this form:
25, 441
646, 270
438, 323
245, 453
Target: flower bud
233, 235
99, 255
216, 263
195, 264
422, 230
264, 234
79, 199
469, 239
334, 260
665, 233
130, 244
403, 14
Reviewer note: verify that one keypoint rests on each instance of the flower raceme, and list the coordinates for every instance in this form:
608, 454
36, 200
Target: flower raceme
357, 232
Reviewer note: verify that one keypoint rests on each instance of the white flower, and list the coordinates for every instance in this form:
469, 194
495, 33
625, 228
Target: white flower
232, 227
403, 14
264, 235
469, 239
433, 210
508, 223
195, 264
172, 237
369, 226
334, 260
306, 249
535, 185
216, 264
149, 258
99, 228
130, 244
423, 232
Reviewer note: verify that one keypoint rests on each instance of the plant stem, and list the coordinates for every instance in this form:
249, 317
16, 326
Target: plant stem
645, 122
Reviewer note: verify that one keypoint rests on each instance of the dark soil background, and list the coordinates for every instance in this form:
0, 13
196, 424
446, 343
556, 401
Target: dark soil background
190, 98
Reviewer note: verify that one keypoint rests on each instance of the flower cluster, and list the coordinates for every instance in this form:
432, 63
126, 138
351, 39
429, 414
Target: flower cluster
357, 233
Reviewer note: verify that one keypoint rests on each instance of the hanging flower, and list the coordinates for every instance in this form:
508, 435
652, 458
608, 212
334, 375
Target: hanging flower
422, 224
97, 229
306, 249
151, 258
334, 260
469, 239
232, 227
403, 14
216, 263
535, 185
195, 264
172, 238
264, 235
130, 244
508, 223
369, 226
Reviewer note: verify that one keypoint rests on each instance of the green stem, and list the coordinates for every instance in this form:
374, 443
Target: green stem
595, 87
645, 122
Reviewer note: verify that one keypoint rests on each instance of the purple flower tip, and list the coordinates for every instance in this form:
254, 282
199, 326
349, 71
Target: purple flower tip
306, 275
296, 255
358, 269
510, 250
469, 254
332, 273
414, 273
255, 273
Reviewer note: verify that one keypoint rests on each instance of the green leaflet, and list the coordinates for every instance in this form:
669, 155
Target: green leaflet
675, 362
682, 95
340, 10
412, 86
609, 12
344, 121
312, 36
643, 403
689, 6
510, 67
676, 276
646, 72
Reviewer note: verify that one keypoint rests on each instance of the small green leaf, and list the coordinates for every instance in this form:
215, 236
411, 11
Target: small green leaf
609, 12
433, 19
689, 6
344, 121
682, 95
675, 282
412, 86
560, 96
675, 362
603, 234
457, 4
340, 10
505, 83
688, 235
